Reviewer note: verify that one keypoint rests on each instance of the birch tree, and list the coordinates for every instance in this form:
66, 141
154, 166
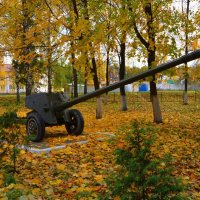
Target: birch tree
155, 27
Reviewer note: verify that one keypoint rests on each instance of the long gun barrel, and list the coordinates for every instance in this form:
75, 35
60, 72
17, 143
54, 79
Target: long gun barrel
183, 59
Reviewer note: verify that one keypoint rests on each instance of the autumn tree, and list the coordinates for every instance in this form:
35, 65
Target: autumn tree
9, 34
154, 26
197, 22
81, 38
20, 39
122, 38
92, 45
73, 38
190, 38
75, 21
185, 99
49, 53
27, 52
109, 44
50, 29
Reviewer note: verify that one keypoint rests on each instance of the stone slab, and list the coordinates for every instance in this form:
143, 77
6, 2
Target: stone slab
42, 147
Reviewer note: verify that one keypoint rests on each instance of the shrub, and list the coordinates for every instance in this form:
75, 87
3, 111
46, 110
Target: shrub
142, 176
14, 194
10, 139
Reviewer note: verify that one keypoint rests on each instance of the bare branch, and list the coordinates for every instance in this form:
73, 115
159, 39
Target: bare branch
142, 40
47, 4
12, 49
140, 37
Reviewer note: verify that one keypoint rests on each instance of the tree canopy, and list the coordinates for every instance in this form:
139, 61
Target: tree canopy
88, 35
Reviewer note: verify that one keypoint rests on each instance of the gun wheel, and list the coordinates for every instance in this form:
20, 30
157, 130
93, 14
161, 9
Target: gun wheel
76, 125
35, 127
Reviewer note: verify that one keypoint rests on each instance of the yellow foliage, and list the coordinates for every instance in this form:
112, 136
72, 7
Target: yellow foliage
56, 182
36, 191
99, 178
35, 181
22, 152
60, 167
1, 182
195, 44
68, 150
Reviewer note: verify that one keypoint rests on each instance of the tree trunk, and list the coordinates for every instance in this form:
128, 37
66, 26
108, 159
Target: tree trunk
94, 66
17, 92
29, 82
85, 86
153, 92
107, 73
151, 49
49, 75
96, 86
17, 89
87, 68
155, 103
122, 76
75, 77
25, 51
99, 110
185, 97
86, 72
94, 72
17, 80
151, 59
49, 56
75, 80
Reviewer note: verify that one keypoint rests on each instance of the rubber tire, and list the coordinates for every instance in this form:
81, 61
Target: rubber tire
35, 118
77, 126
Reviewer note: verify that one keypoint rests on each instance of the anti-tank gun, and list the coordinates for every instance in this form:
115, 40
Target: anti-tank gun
53, 109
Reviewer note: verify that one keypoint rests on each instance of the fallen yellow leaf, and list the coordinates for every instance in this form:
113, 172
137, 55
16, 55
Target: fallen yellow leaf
36, 181
56, 182
1, 182
36, 191
60, 166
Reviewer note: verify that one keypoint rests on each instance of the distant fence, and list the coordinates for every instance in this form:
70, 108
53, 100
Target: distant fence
114, 97
164, 96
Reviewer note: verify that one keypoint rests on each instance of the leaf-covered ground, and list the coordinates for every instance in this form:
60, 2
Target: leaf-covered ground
79, 170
